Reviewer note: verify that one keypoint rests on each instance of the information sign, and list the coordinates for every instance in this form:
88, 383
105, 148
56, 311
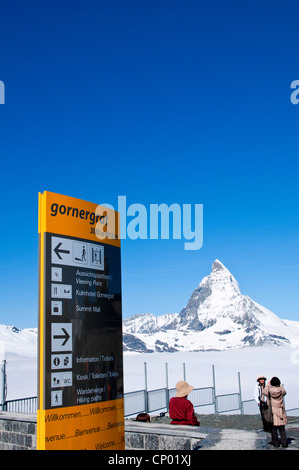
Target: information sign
80, 399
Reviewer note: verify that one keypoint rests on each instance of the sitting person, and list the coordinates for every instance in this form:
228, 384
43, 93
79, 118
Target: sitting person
181, 410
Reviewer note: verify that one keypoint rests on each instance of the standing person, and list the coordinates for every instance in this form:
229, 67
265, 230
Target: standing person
261, 382
260, 399
181, 410
277, 392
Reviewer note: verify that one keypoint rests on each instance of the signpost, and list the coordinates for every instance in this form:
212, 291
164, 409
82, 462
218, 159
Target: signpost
80, 399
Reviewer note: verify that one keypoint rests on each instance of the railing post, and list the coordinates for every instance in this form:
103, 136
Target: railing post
167, 389
145, 389
214, 389
240, 393
4, 386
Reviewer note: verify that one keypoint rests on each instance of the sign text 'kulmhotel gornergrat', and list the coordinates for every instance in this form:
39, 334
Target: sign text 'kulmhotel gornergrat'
80, 399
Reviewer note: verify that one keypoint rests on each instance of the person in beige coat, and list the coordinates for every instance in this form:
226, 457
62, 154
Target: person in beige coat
277, 392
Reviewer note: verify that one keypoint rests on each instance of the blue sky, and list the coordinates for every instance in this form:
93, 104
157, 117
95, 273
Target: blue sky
163, 102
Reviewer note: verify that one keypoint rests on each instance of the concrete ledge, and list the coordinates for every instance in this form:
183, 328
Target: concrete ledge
156, 436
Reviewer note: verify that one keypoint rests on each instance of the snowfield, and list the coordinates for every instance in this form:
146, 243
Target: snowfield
251, 362
280, 361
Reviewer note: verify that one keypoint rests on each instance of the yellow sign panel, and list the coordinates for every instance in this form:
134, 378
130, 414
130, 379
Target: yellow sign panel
86, 427
80, 399
73, 217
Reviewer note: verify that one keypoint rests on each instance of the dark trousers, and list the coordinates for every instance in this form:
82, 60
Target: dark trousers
282, 433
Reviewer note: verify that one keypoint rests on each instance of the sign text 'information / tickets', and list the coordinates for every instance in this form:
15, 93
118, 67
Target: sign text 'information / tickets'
80, 398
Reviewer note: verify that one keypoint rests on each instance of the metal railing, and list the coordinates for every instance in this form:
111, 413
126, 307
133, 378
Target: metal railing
150, 401
157, 400
228, 402
154, 400
21, 405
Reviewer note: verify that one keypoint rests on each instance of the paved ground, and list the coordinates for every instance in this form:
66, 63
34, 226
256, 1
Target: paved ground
237, 439
240, 432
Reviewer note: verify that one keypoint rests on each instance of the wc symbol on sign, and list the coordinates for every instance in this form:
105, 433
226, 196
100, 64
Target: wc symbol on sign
56, 381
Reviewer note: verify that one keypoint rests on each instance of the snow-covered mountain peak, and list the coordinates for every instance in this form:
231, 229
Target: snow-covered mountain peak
218, 266
217, 316
221, 280
214, 297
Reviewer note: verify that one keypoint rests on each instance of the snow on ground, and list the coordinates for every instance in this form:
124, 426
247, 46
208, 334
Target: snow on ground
21, 372
282, 362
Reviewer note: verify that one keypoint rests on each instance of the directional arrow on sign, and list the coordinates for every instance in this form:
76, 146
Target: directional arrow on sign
61, 337
58, 250
66, 336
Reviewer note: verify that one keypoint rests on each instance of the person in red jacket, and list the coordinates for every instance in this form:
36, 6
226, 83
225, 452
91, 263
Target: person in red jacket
181, 410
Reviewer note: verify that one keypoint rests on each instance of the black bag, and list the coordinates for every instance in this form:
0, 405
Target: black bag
266, 413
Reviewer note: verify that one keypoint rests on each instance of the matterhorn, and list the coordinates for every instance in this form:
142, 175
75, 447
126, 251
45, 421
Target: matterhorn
217, 317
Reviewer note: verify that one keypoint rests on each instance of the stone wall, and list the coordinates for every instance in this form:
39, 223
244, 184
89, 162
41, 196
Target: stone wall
18, 432
158, 436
